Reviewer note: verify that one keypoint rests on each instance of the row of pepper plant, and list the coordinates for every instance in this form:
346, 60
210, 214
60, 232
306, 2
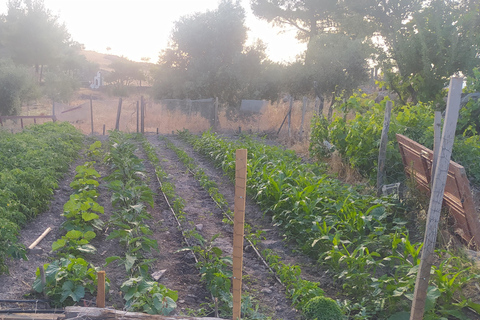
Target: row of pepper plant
69, 277
299, 290
130, 197
362, 239
31, 163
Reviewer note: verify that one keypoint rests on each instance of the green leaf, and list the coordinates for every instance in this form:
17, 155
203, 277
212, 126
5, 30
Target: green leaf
403, 315
129, 261
432, 295
88, 216
74, 234
60, 243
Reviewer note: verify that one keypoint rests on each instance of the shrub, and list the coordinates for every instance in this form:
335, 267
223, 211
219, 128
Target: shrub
322, 308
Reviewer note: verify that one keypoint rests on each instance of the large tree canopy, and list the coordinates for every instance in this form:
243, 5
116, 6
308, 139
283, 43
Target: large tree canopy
207, 57
32, 35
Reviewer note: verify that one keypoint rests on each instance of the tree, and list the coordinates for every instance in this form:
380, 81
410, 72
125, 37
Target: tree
204, 47
32, 35
16, 87
309, 17
124, 73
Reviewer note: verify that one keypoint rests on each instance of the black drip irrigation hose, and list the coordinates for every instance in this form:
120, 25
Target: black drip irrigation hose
32, 311
25, 301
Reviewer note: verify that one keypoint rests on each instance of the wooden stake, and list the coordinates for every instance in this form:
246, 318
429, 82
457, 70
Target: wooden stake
436, 198
290, 117
21, 122
304, 109
119, 111
238, 229
101, 289
382, 154
104, 129
138, 115
43, 235
157, 131
437, 135
91, 112
35, 120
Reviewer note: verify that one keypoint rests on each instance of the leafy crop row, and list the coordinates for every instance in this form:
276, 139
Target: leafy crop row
130, 195
214, 267
358, 139
362, 239
69, 276
31, 163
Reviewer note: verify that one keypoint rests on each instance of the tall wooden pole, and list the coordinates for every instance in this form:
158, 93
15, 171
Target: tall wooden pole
216, 113
238, 229
436, 198
382, 154
91, 112
437, 136
119, 111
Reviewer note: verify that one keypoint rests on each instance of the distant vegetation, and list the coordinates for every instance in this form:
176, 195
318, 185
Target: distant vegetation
417, 45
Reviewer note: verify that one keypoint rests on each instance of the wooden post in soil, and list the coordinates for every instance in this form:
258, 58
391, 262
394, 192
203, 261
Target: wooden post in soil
119, 111
436, 198
238, 228
104, 129
304, 109
215, 111
290, 118
437, 135
101, 289
21, 122
382, 154
91, 112
138, 116
142, 115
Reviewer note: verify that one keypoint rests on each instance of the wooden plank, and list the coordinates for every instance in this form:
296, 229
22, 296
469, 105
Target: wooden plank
78, 313
382, 153
304, 109
138, 116
238, 228
468, 204
142, 115
418, 161
436, 198
290, 118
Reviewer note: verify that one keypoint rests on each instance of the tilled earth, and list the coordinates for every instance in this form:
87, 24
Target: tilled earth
179, 268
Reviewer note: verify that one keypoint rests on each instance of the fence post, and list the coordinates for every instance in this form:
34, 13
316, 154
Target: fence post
216, 113
138, 116
436, 198
304, 109
382, 154
142, 115
91, 112
119, 111
238, 229
290, 117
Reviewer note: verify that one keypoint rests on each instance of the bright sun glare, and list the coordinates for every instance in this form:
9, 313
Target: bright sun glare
141, 28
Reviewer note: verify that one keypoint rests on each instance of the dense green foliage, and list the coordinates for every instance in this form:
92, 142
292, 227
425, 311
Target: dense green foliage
354, 235
321, 308
358, 139
31, 163
130, 195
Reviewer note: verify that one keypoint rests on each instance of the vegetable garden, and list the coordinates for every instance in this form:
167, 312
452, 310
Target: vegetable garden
155, 212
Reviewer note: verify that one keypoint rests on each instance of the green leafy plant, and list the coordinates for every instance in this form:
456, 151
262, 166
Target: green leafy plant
67, 280
322, 308
75, 243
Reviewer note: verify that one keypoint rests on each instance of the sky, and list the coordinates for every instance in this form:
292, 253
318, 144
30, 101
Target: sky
141, 28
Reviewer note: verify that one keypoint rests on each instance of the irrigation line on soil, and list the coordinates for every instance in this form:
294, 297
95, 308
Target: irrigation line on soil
249, 242
181, 229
